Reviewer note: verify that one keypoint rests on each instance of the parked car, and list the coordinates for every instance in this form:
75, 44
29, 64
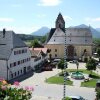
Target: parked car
77, 98
97, 85
73, 61
98, 65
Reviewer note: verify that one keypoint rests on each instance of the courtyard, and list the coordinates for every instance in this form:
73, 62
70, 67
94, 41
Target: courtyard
45, 91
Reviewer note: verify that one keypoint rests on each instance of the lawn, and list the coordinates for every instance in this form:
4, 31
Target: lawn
90, 83
58, 80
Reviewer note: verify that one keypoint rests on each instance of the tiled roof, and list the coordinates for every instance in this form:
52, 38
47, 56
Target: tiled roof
36, 51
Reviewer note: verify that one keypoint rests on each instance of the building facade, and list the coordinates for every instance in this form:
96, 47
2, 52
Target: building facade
15, 57
38, 57
78, 41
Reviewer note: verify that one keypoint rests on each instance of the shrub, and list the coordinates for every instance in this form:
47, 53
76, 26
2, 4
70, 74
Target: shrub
15, 92
67, 98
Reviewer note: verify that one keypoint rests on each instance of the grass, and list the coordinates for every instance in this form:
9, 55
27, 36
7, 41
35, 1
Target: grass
58, 80
90, 83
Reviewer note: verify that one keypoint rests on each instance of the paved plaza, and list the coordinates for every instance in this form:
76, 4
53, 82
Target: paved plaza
44, 91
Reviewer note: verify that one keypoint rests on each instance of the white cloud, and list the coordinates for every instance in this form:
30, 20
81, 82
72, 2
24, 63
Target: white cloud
6, 19
49, 2
41, 15
21, 30
67, 18
92, 19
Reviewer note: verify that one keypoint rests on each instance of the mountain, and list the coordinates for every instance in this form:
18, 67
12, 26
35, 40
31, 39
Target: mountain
95, 33
98, 29
41, 32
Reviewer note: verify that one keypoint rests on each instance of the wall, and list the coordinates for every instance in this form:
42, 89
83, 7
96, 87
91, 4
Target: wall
19, 57
3, 69
60, 50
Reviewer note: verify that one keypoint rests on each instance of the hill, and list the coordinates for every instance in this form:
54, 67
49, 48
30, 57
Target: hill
41, 32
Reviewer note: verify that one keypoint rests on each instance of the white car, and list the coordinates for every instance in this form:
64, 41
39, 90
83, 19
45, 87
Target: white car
76, 98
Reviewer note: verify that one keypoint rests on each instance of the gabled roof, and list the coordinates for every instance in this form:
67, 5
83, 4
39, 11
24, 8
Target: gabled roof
50, 34
17, 42
35, 52
8, 41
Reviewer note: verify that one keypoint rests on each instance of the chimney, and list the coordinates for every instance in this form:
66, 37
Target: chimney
4, 31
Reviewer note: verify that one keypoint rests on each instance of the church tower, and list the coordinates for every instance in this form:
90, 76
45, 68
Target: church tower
60, 23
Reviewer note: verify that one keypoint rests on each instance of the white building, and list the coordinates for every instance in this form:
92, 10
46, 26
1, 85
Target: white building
38, 57
15, 57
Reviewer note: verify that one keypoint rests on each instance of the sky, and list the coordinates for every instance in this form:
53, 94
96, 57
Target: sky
27, 16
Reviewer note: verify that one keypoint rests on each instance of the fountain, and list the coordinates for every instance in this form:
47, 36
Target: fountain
77, 74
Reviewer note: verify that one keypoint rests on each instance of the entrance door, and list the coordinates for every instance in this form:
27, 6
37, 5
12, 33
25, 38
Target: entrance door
70, 52
24, 70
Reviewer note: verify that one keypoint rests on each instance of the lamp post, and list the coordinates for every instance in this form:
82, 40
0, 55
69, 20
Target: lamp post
65, 65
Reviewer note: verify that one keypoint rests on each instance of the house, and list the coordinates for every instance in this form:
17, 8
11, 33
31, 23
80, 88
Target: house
39, 56
15, 57
78, 41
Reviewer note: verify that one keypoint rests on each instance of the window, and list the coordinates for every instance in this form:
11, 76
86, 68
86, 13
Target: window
14, 63
55, 50
21, 71
18, 62
18, 72
19, 51
23, 51
11, 75
10, 65
55, 55
27, 59
14, 52
21, 61
15, 73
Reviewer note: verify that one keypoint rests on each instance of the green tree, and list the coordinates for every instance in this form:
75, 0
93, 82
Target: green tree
35, 43
91, 65
43, 39
61, 65
98, 94
98, 52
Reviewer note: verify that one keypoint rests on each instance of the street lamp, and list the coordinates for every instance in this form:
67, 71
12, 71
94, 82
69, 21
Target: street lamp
65, 65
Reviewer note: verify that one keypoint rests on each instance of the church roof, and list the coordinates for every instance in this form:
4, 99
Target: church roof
8, 41
50, 34
73, 36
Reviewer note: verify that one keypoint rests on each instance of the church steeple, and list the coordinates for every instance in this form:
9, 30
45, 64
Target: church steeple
60, 23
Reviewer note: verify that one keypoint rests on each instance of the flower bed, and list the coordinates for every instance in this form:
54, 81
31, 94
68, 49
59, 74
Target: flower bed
15, 92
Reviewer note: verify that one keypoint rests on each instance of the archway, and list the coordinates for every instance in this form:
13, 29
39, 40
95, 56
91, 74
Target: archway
70, 52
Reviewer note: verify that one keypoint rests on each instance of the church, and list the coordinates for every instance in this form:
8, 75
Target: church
78, 41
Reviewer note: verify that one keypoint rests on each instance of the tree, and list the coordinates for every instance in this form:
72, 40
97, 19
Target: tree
98, 52
35, 43
61, 65
43, 39
98, 94
91, 65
